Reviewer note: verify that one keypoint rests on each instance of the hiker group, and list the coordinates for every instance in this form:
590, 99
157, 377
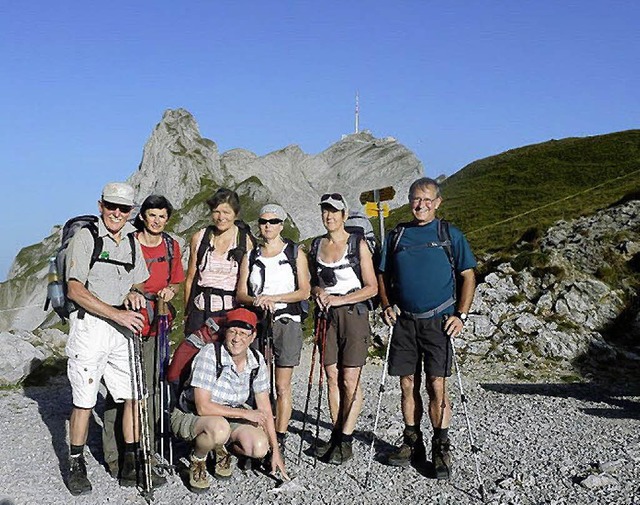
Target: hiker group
227, 388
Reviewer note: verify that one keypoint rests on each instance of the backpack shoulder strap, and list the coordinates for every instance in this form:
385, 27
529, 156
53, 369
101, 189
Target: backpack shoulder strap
169, 246
353, 253
395, 236
97, 243
291, 252
204, 245
132, 243
314, 249
218, 348
444, 236
254, 371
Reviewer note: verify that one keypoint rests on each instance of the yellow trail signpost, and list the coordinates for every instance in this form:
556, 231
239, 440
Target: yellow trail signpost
372, 201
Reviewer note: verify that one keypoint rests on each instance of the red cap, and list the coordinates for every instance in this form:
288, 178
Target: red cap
242, 318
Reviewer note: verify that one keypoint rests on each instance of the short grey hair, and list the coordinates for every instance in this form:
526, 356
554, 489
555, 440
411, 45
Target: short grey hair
423, 183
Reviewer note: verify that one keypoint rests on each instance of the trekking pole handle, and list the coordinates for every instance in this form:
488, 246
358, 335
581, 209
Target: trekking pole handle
163, 308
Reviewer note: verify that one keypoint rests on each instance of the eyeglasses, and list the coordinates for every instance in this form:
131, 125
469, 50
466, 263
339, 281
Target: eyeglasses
332, 196
125, 209
428, 201
275, 220
233, 331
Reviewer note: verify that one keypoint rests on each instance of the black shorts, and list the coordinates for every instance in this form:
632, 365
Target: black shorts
413, 338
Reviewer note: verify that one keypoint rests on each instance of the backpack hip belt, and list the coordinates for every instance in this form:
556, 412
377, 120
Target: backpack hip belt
428, 314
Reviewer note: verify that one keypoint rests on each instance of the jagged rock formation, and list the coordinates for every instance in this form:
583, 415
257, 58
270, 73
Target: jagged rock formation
175, 160
179, 163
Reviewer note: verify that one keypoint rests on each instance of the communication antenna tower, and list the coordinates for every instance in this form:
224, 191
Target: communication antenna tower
357, 112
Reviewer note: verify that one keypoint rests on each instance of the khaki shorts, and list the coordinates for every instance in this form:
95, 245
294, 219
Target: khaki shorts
183, 424
98, 350
348, 336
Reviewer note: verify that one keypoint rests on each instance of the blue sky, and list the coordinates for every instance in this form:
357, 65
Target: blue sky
82, 84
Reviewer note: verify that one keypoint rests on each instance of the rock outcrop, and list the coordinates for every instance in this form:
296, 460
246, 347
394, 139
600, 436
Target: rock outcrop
564, 306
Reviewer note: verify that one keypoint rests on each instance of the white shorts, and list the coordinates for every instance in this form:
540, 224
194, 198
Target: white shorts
97, 350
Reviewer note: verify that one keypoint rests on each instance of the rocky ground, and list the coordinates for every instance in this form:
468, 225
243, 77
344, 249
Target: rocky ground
540, 444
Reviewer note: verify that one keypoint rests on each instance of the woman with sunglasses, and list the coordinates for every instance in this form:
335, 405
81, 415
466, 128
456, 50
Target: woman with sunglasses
343, 280
275, 278
214, 263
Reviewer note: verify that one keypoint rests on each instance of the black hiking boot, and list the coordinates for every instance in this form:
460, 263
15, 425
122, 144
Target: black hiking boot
441, 457
341, 453
322, 449
411, 452
133, 473
77, 481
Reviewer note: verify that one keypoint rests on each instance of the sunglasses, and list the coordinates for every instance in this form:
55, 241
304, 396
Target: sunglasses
275, 220
125, 209
333, 196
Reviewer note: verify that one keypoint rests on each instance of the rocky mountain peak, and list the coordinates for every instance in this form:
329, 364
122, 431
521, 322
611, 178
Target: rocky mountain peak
175, 159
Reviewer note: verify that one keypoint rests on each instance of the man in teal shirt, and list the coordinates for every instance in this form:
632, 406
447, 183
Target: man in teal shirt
427, 272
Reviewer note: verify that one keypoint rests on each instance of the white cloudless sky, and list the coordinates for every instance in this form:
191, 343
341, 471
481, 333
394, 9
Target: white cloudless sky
82, 84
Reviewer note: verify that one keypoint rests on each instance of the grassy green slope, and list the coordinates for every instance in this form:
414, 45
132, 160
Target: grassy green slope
497, 199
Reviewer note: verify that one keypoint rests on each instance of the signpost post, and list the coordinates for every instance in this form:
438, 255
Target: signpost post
372, 200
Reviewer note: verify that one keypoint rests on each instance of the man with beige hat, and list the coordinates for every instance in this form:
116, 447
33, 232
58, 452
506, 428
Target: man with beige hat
104, 290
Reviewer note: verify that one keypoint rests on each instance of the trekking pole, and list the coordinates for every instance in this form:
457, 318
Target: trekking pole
272, 365
474, 449
140, 390
163, 352
316, 343
323, 336
375, 423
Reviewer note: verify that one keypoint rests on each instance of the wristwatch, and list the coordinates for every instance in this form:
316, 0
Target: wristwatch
462, 316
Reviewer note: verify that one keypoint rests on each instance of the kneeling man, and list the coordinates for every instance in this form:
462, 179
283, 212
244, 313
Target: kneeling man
213, 411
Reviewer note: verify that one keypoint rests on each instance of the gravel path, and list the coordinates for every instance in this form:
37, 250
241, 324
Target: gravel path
540, 444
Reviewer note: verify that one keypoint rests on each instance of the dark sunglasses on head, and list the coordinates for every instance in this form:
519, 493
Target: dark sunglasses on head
125, 209
334, 196
275, 220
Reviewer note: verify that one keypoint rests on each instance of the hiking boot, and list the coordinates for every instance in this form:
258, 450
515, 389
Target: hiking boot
199, 478
77, 481
224, 468
441, 457
341, 453
321, 448
133, 473
411, 451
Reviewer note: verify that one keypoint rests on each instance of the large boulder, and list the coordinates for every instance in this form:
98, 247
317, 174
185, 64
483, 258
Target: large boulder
18, 358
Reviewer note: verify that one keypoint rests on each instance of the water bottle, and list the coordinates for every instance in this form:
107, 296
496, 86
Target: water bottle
55, 292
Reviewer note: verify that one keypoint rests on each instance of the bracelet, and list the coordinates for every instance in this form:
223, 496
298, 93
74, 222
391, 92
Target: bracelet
135, 290
384, 309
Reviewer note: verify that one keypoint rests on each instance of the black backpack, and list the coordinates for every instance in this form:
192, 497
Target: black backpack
300, 308
70, 228
237, 253
444, 242
359, 228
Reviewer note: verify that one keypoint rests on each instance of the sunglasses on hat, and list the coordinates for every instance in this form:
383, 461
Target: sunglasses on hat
331, 196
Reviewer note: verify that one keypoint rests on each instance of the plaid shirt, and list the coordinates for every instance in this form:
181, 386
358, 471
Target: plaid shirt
232, 387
